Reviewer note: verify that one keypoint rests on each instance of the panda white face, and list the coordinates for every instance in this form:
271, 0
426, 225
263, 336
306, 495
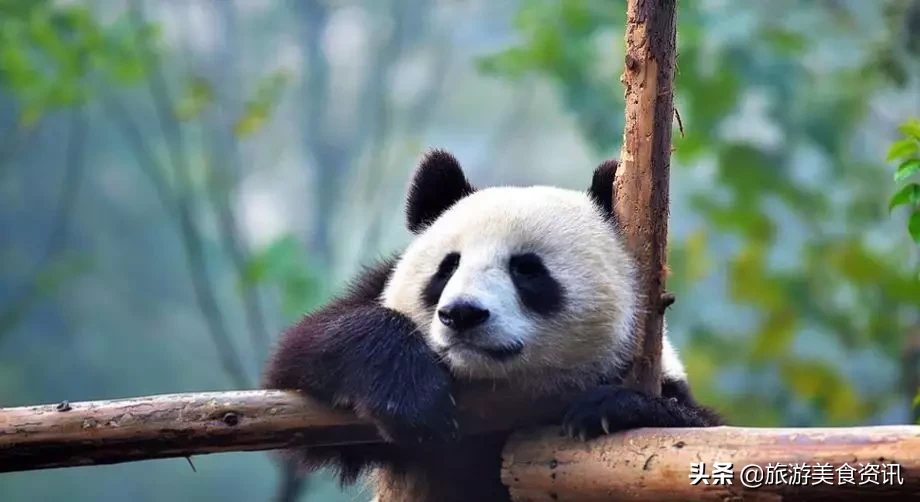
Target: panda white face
512, 280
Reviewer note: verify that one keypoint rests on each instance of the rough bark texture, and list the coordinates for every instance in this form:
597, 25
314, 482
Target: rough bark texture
644, 464
179, 425
654, 464
642, 181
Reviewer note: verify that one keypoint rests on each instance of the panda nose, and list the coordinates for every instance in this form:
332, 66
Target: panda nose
462, 315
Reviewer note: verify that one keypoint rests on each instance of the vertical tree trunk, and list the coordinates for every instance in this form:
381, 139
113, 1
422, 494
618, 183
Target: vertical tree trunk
642, 180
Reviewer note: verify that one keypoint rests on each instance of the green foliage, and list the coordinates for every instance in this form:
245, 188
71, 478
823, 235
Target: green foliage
908, 195
902, 148
561, 43
913, 225
907, 151
55, 56
282, 264
907, 169
258, 108
815, 110
911, 129
198, 95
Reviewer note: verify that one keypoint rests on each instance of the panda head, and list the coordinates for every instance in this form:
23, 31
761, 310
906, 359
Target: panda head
511, 282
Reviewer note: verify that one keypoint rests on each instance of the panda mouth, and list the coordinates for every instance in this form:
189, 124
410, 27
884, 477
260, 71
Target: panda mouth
499, 353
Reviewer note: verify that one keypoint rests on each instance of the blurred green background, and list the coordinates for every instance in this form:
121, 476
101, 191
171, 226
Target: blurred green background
179, 180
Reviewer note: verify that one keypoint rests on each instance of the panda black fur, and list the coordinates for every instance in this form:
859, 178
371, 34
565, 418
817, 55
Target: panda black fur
526, 285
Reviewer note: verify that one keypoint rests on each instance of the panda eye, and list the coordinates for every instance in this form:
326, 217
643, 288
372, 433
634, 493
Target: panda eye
527, 265
448, 265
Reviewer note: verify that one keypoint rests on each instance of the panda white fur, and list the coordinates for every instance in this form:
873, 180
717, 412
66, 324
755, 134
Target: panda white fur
531, 286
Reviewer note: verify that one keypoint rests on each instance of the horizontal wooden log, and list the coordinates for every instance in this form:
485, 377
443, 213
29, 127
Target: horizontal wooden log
655, 464
646, 464
181, 425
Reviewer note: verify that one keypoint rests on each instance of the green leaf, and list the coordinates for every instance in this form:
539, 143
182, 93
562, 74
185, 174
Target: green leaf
902, 148
913, 226
907, 169
198, 96
128, 71
911, 128
512, 63
300, 293
253, 118
258, 109
275, 261
908, 195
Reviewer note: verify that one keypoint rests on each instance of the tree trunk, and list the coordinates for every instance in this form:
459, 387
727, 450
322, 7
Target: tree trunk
642, 180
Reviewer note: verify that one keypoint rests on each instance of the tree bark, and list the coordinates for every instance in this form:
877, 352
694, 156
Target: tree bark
643, 464
655, 464
180, 425
642, 180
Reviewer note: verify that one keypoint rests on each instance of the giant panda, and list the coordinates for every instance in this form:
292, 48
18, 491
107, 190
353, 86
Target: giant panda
529, 286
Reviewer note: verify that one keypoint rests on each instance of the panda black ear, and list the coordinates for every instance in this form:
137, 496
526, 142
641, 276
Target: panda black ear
437, 184
601, 190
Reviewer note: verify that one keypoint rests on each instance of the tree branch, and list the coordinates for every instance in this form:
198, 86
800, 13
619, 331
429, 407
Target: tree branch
226, 169
642, 180
180, 425
654, 464
649, 464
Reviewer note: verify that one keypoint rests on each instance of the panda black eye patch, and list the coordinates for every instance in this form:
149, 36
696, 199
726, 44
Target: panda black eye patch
432, 292
538, 290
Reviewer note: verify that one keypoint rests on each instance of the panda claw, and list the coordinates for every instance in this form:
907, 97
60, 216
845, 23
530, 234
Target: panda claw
571, 432
453, 401
583, 435
605, 424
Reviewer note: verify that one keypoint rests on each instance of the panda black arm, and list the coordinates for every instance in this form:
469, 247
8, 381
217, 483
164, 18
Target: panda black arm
355, 354
612, 408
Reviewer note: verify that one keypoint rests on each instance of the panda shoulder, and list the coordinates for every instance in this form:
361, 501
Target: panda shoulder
368, 284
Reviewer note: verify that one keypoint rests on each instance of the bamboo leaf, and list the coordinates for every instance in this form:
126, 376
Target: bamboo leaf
911, 128
908, 195
198, 96
902, 148
913, 226
907, 169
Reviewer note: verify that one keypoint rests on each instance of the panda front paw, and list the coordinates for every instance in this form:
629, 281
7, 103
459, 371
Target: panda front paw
411, 408
608, 409
414, 420
599, 411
